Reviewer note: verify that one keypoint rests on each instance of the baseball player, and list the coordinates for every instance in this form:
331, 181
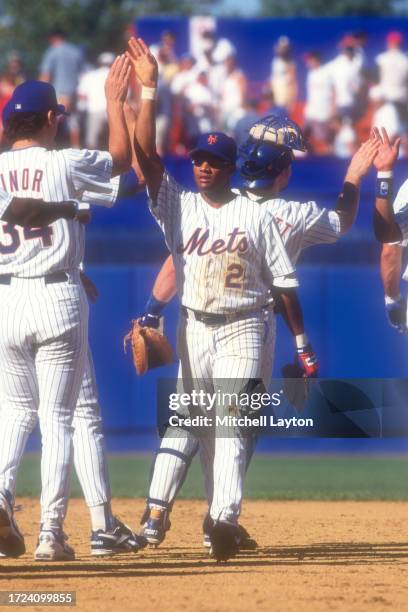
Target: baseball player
265, 166
44, 311
226, 257
391, 228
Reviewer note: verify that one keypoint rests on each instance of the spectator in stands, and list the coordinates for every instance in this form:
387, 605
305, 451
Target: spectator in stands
211, 59
319, 110
345, 72
62, 65
283, 78
233, 94
385, 113
164, 112
393, 76
12, 76
91, 98
246, 117
164, 52
200, 107
187, 74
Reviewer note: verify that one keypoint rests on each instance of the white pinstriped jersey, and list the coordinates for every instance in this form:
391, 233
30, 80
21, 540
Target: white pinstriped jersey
225, 258
54, 176
400, 207
301, 224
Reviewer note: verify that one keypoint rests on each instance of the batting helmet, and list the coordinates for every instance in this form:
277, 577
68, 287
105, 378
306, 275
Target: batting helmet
269, 150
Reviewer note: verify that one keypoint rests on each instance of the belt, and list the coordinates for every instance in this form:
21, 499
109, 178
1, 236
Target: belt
54, 277
210, 318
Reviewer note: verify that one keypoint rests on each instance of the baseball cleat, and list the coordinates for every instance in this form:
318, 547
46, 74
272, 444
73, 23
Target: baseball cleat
224, 538
154, 530
120, 540
53, 547
11, 539
245, 540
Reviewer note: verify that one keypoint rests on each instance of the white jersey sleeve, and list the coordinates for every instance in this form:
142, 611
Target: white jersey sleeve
400, 207
5, 200
320, 225
279, 268
91, 176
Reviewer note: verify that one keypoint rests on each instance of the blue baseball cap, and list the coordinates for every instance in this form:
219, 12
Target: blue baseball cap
33, 97
218, 144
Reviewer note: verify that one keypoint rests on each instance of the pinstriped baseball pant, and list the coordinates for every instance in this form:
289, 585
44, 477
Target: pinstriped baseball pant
223, 357
90, 457
43, 343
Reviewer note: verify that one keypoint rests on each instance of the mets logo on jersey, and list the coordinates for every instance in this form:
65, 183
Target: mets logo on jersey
212, 139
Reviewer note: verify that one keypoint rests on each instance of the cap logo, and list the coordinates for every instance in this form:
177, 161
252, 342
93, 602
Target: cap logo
212, 139
17, 106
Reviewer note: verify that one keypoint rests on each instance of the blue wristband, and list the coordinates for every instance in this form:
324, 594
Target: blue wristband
154, 307
383, 186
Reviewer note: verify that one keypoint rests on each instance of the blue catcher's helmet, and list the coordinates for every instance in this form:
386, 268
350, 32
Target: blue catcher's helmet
269, 150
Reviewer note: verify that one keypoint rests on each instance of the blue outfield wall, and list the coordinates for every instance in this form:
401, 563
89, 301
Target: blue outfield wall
344, 316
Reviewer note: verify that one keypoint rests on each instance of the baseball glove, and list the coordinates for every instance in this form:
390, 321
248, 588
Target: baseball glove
150, 347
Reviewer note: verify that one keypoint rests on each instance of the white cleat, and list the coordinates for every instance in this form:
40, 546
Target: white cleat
53, 547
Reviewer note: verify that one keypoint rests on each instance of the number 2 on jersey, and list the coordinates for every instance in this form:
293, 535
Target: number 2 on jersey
28, 233
235, 278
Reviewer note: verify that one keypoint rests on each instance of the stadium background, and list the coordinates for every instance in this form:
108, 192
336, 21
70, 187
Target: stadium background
340, 289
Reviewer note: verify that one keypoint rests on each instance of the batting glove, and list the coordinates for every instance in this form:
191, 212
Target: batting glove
397, 313
308, 361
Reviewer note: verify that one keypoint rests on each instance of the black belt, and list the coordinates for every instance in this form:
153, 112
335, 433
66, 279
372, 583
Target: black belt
210, 318
54, 277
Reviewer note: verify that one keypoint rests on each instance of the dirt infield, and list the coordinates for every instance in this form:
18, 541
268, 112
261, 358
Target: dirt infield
314, 556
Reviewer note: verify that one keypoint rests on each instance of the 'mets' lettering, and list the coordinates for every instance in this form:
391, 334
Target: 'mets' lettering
24, 179
237, 242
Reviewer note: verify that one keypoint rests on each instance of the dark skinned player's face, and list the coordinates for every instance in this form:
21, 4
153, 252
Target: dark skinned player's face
211, 173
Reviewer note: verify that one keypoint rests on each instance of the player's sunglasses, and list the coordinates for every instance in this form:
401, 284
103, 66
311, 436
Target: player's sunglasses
215, 162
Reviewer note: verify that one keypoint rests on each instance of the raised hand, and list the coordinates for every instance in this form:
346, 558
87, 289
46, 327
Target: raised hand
117, 81
143, 61
362, 160
387, 153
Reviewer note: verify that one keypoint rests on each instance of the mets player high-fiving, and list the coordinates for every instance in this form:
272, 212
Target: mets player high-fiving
227, 254
43, 307
391, 228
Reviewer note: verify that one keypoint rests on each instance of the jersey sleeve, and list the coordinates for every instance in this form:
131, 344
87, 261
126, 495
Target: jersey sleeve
5, 200
167, 206
279, 269
320, 225
400, 207
90, 173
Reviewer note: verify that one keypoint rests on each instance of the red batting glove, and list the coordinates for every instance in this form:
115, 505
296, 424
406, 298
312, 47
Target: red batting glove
308, 361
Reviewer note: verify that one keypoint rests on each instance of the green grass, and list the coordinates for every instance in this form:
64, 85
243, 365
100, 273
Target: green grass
269, 477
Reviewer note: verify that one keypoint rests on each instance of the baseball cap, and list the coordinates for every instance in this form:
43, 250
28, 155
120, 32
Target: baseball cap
218, 144
33, 97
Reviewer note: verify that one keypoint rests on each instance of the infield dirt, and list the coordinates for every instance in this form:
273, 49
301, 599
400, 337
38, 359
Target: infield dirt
312, 556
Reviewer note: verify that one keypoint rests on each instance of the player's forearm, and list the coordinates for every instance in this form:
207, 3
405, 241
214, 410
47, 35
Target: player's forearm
119, 142
145, 147
347, 203
390, 267
36, 213
289, 307
164, 288
385, 227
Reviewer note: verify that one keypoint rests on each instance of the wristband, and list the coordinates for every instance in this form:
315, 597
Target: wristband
390, 300
154, 306
148, 93
383, 186
301, 340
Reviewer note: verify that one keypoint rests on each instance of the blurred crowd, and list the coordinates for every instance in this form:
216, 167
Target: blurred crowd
336, 101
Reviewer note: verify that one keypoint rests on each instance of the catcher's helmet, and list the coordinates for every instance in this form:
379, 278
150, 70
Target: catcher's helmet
269, 150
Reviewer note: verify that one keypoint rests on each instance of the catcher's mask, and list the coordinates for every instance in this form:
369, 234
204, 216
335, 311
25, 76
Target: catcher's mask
269, 150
